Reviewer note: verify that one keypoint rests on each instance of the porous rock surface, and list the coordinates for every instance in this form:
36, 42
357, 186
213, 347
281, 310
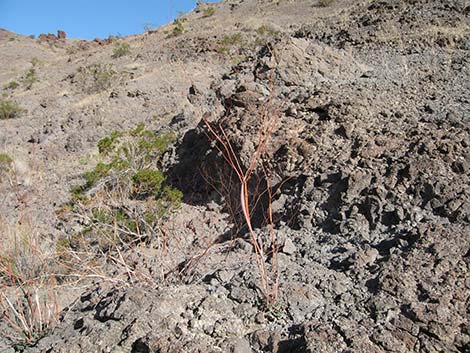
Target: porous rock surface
371, 158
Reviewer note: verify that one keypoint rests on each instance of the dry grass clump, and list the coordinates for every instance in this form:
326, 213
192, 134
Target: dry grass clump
28, 272
10, 109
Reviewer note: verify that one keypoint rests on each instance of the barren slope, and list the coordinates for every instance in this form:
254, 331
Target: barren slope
369, 158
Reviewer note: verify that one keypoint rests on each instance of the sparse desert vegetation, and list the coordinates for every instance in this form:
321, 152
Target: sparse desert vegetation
29, 78
95, 78
121, 49
9, 109
12, 85
325, 3
255, 176
27, 277
127, 173
177, 29
208, 11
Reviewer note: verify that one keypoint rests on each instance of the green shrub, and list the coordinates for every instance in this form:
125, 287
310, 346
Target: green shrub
12, 85
267, 31
147, 182
10, 109
208, 11
106, 144
127, 174
122, 201
325, 3
95, 78
178, 28
36, 62
129, 160
6, 163
228, 41
30, 78
121, 49
231, 39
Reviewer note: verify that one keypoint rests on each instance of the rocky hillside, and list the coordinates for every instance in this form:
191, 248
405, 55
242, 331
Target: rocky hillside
345, 126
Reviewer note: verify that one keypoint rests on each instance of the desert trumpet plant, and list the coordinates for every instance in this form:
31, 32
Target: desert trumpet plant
269, 277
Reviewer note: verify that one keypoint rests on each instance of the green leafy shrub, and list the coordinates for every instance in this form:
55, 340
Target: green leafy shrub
325, 3
6, 163
106, 144
208, 11
121, 49
177, 30
267, 31
228, 41
147, 182
95, 78
30, 78
10, 109
12, 85
128, 173
36, 62
122, 201
231, 39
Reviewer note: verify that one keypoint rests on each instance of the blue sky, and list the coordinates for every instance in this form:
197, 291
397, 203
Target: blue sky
88, 19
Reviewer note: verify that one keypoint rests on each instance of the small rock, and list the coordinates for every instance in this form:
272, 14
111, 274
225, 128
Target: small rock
241, 345
224, 276
364, 258
289, 247
243, 245
260, 318
260, 339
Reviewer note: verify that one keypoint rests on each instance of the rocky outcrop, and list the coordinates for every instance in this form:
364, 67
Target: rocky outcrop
368, 158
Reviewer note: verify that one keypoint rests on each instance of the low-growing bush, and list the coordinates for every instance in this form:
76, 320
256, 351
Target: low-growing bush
177, 30
128, 173
121, 49
228, 41
267, 31
6, 163
208, 11
10, 109
12, 85
325, 3
30, 78
95, 78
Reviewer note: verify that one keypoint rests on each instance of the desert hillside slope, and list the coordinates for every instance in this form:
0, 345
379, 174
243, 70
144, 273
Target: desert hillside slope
344, 125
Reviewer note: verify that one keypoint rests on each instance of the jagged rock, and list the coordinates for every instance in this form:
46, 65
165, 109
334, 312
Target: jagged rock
368, 159
289, 247
61, 35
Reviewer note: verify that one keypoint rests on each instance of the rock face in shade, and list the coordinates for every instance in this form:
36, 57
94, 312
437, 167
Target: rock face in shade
61, 34
370, 157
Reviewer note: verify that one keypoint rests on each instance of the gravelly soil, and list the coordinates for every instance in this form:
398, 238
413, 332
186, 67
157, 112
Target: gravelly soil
370, 160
